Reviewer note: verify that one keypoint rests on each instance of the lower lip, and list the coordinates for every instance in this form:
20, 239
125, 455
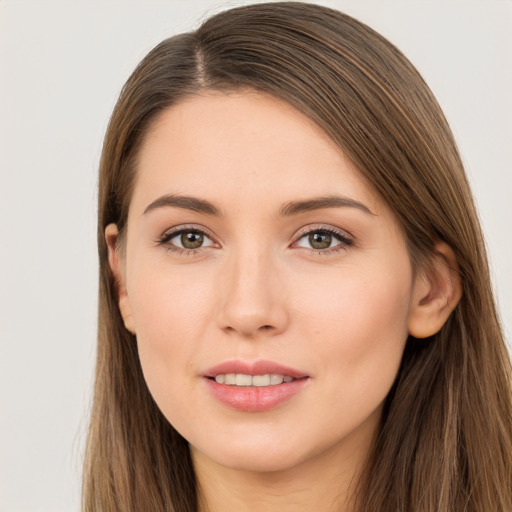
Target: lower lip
256, 399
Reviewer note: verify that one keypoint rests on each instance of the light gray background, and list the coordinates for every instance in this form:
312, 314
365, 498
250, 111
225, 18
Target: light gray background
62, 65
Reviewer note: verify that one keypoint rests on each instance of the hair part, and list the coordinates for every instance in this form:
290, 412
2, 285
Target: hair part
445, 441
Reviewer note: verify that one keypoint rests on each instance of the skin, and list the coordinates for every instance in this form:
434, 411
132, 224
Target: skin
256, 289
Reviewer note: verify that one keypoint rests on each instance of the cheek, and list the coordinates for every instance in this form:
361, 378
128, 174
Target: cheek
169, 310
359, 323
356, 300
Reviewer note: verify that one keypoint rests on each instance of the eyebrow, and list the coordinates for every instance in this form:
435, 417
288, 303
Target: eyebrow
185, 202
291, 208
318, 203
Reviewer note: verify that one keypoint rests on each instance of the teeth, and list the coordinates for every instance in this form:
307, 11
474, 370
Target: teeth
262, 380
276, 379
240, 379
243, 380
230, 378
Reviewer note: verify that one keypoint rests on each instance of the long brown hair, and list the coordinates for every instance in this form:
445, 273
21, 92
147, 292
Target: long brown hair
445, 440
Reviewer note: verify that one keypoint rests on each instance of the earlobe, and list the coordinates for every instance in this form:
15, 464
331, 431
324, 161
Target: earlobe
115, 263
436, 293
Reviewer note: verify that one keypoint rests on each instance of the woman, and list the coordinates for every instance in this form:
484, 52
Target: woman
295, 304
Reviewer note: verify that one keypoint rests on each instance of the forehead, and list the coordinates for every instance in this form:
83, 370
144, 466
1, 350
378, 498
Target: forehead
245, 144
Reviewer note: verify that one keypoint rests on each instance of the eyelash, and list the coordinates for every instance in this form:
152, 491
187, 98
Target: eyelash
345, 240
165, 239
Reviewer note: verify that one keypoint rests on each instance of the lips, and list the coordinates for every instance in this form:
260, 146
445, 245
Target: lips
254, 387
242, 379
255, 368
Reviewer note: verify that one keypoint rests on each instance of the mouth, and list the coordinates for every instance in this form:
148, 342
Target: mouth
245, 380
254, 387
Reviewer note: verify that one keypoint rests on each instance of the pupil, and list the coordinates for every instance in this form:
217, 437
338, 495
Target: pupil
191, 240
320, 240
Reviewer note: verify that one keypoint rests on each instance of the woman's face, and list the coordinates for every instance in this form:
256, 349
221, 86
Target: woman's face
268, 286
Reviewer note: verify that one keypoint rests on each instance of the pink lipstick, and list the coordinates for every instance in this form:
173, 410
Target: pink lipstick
254, 387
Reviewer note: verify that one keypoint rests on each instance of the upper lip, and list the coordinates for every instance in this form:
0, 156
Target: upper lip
260, 367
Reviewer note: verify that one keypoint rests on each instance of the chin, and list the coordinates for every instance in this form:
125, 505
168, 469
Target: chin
254, 461
268, 453
263, 463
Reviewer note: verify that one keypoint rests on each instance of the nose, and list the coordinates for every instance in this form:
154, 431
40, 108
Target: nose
252, 296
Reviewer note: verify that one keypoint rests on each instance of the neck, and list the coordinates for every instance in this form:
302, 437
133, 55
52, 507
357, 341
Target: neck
326, 483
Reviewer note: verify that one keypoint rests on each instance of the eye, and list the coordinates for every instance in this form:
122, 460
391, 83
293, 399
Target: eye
186, 240
323, 239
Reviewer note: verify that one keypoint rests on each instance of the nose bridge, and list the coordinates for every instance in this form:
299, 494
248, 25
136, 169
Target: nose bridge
251, 301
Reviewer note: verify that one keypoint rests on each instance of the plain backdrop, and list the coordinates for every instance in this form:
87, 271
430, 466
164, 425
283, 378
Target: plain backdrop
62, 64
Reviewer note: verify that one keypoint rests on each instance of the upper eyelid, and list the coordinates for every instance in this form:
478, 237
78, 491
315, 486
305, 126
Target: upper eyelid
322, 227
305, 230
176, 230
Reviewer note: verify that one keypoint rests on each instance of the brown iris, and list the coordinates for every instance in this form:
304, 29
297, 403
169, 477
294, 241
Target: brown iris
192, 239
319, 240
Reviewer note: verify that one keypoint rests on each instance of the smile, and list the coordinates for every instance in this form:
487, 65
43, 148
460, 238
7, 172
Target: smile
244, 380
255, 386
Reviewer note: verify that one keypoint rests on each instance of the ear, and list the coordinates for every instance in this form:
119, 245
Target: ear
436, 293
116, 266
